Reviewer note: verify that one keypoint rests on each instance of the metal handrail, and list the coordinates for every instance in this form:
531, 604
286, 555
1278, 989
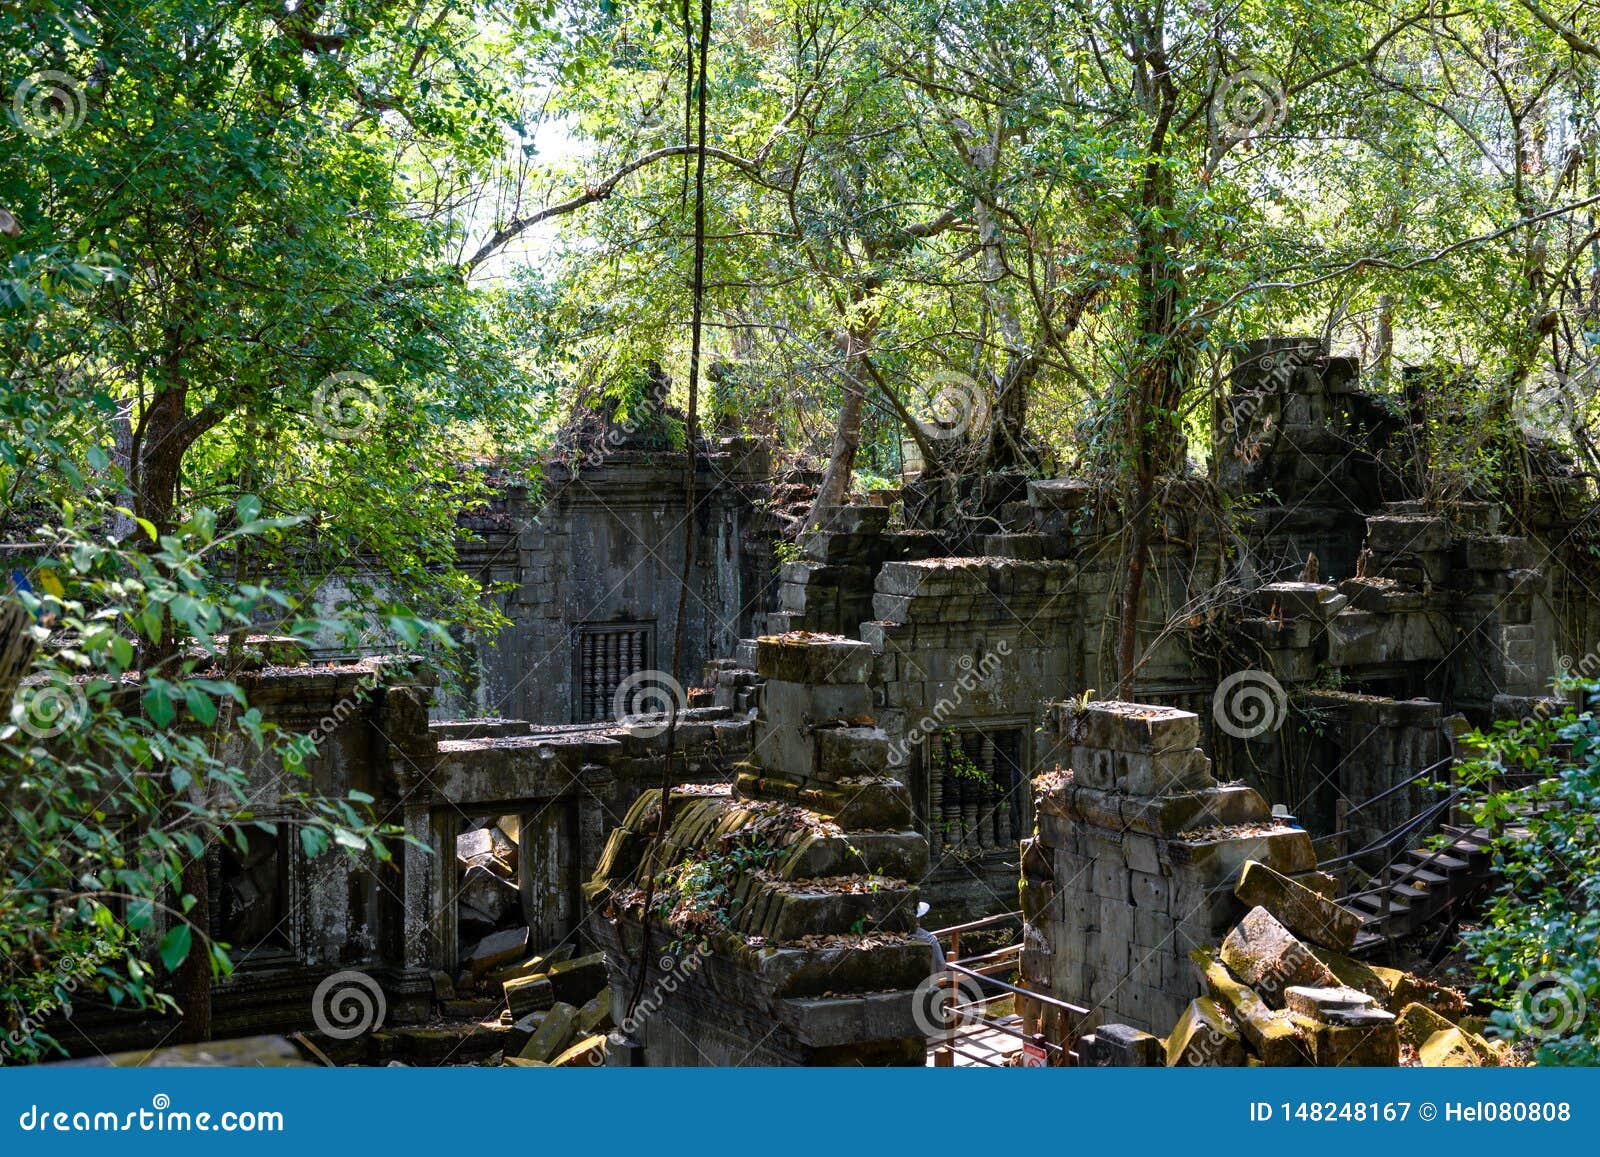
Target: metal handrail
1015, 990
1397, 833
1388, 791
972, 925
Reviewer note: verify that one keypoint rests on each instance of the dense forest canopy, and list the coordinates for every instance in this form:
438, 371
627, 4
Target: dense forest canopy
287, 281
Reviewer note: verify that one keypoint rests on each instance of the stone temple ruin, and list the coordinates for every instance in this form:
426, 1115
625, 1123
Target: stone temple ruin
918, 710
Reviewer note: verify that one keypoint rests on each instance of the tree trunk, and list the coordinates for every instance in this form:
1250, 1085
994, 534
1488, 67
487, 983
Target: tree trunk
192, 982
835, 486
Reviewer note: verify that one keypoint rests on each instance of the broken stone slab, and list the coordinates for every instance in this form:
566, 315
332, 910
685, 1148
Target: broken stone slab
496, 949
532, 966
1271, 1034
578, 979
1261, 952
1204, 1037
1374, 1045
595, 1015
473, 846
803, 657
1391, 987
587, 1052
1298, 908
1121, 1046
1346, 1006
521, 1030
1449, 1048
553, 1034
1324, 884
529, 994
1417, 1022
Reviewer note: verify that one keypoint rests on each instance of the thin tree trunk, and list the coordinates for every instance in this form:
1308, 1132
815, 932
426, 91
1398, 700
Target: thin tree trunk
834, 489
192, 982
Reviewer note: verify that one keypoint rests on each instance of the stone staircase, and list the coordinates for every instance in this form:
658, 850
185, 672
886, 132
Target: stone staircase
1425, 885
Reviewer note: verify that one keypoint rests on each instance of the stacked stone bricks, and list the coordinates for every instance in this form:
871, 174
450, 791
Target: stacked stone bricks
1133, 861
805, 952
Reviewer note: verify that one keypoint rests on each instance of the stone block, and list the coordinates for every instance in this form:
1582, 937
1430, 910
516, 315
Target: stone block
595, 1015
553, 1034
1261, 952
800, 705
1217, 856
496, 949
529, 994
1204, 1037
1417, 1022
1137, 727
1336, 1005
1298, 908
576, 981
1370, 1046
1392, 534
856, 519
1271, 1034
1289, 600
801, 657
1150, 891
1449, 1048
852, 750
587, 1052
1122, 1046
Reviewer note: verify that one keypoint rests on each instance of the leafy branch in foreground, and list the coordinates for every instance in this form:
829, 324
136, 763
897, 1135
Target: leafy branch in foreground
122, 764
1537, 953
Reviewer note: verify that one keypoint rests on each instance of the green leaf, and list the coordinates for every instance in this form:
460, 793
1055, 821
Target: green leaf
313, 841
174, 947
158, 704
201, 705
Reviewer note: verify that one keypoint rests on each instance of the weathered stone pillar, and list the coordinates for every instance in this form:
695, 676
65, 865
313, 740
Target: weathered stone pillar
1133, 862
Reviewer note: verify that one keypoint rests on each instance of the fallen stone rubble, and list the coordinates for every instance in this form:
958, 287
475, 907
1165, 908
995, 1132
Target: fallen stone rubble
1281, 990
